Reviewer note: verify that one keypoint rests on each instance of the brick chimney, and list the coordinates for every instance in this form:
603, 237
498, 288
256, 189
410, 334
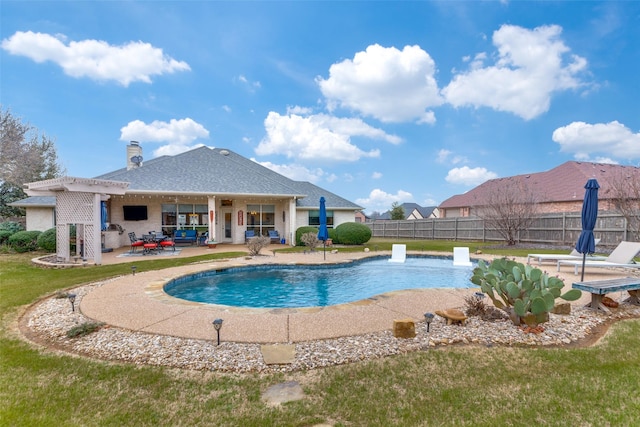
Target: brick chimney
134, 155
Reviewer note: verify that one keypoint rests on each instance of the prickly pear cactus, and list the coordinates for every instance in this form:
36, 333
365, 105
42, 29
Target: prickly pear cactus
522, 291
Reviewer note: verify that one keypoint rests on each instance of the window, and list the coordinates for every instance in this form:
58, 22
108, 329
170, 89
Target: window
183, 216
314, 218
261, 218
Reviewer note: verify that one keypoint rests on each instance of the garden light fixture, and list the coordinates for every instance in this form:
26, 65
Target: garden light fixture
428, 317
217, 324
133, 269
72, 300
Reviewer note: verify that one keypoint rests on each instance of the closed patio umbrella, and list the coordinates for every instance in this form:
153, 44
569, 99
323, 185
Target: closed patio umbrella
586, 243
103, 216
323, 233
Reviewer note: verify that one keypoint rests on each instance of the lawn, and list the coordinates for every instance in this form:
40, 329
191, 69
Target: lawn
452, 386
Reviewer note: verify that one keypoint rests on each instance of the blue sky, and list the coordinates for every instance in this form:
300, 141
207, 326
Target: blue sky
378, 102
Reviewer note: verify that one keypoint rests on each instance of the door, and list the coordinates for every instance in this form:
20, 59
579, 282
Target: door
227, 235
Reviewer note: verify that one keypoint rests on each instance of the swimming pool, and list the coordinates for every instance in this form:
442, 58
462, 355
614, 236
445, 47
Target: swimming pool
291, 286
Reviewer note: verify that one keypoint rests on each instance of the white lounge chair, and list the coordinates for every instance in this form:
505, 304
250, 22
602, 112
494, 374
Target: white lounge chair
622, 256
574, 255
398, 253
461, 257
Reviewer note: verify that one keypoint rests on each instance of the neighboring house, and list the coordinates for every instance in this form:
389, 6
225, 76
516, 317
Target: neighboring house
560, 189
210, 190
413, 211
361, 217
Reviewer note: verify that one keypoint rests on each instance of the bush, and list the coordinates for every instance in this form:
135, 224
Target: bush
304, 230
11, 226
4, 236
310, 240
84, 329
352, 233
47, 240
255, 244
24, 241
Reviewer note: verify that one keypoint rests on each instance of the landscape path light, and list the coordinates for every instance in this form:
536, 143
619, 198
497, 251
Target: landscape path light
428, 317
133, 269
217, 324
72, 300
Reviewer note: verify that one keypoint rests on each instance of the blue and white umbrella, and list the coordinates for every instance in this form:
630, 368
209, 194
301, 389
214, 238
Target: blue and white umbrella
586, 242
323, 233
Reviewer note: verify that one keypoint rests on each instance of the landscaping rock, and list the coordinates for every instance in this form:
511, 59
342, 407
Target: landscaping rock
404, 328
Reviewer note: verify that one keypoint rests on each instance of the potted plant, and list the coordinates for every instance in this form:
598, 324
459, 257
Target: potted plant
525, 293
212, 244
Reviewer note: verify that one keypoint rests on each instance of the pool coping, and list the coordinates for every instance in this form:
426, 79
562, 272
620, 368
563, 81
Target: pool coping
139, 303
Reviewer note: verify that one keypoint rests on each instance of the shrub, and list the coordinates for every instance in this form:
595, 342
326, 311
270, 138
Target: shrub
310, 240
47, 240
24, 241
11, 226
4, 236
475, 306
84, 329
304, 230
255, 244
352, 233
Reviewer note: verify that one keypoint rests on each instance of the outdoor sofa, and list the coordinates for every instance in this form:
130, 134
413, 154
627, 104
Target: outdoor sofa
185, 236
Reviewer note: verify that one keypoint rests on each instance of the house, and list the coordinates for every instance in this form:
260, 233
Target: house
560, 189
413, 211
211, 190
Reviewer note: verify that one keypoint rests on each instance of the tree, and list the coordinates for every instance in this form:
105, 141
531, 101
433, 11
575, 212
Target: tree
510, 207
397, 211
624, 194
25, 156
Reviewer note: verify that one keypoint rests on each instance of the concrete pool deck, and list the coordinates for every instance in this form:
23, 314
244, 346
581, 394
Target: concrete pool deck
138, 302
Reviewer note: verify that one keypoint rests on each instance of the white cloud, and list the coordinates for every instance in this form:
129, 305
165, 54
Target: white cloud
95, 59
376, 175
298, 172
249, 85
178, 135
610, 139
467, 176
381, 201
302, 111
385, 83
226, 108
447, 156
531, 65
318, 138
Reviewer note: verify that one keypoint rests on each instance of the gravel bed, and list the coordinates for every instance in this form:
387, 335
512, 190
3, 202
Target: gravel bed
48, 321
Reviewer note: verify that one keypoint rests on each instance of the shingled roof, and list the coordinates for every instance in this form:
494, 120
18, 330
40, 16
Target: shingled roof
221, 172
563, 183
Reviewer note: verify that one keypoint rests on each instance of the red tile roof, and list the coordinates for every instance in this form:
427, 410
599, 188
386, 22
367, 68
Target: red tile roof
563, 183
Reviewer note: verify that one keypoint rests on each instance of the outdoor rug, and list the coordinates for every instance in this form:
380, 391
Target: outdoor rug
151, 255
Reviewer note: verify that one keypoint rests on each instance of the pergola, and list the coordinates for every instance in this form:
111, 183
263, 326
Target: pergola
78, 202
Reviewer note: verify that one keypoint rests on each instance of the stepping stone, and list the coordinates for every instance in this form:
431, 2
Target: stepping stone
278, 354
282, 393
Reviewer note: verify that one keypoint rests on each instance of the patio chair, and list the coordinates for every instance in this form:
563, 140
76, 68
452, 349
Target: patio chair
249, 234
622, 256
167, 243
398, 253
135, 242
274, 236
573, 255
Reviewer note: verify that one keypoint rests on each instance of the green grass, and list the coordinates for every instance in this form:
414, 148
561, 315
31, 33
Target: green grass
475, 386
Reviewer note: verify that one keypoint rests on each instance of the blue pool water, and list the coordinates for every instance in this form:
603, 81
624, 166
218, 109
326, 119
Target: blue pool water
286, 286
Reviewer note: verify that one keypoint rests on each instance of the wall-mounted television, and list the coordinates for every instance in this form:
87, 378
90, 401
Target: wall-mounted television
134, 213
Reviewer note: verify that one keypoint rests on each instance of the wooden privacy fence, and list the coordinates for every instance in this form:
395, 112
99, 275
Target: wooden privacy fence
554, 229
